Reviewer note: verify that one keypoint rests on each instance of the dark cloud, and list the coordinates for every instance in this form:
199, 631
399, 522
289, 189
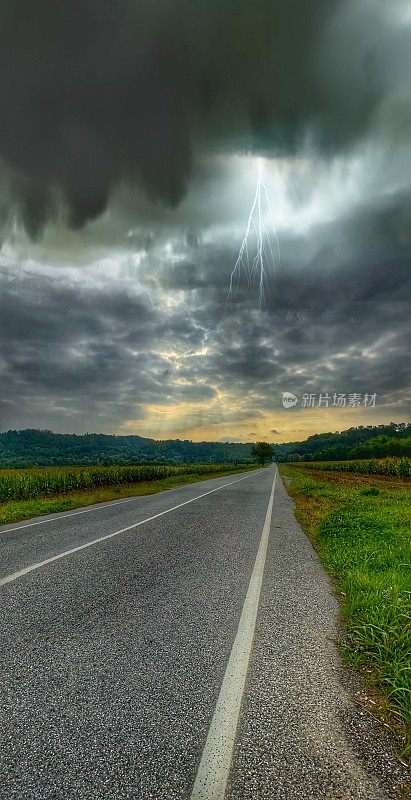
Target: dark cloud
94, 94
85, 357
90, 349
331, 322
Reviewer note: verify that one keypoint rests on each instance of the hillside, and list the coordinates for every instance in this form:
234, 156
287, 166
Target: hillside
44, 448
31, 447
372, 441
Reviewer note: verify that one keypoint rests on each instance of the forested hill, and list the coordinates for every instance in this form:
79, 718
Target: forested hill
44, 448
371, 441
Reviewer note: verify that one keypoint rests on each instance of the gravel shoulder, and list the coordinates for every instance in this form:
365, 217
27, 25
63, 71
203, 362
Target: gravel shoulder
301, 736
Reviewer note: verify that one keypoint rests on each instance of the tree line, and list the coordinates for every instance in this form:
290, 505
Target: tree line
371, 441
31, 447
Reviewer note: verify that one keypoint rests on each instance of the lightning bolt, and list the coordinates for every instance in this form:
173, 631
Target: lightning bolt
257, 256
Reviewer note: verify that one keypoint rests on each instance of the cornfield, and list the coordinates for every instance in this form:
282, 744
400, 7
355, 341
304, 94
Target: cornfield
27, 484
370, 466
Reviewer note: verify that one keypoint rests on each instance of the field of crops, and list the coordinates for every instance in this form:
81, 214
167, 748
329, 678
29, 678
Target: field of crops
27, 484
368, 466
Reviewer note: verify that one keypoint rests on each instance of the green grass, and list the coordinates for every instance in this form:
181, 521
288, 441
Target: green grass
363, 536
16, 510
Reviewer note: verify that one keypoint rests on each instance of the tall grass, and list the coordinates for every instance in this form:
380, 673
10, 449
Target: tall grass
366, 545
28, 484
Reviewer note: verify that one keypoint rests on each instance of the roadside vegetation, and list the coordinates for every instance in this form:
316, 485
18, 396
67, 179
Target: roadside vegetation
26, 493
369, 466
361, 527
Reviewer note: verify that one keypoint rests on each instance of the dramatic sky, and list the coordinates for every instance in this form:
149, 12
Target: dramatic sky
130, 132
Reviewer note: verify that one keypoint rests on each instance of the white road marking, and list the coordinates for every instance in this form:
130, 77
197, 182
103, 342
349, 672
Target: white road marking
214, 768
99, 507
15, 575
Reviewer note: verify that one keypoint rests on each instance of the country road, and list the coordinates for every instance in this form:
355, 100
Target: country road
118, 622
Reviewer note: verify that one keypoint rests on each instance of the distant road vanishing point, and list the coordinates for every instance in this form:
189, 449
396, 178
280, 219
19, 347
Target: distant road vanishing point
175, 646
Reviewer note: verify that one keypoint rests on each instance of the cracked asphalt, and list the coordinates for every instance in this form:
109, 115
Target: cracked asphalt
113, 656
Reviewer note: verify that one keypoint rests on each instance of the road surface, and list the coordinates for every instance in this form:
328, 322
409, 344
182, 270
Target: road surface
128, 670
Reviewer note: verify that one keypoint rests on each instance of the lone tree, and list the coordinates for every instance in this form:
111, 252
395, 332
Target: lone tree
262, 452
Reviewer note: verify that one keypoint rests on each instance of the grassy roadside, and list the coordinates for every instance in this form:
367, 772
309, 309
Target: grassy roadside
360, 525
14, 511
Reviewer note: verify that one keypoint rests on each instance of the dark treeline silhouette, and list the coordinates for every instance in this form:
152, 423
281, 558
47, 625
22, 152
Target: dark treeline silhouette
31, 447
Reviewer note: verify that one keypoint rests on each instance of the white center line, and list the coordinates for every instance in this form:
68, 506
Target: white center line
214, 768
15, 575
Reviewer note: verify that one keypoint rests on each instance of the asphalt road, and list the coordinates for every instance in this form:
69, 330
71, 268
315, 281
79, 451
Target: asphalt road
114, 654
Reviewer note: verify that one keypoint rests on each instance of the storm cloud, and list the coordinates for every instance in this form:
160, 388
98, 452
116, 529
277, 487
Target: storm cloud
83, 351
94, 95
144, 120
